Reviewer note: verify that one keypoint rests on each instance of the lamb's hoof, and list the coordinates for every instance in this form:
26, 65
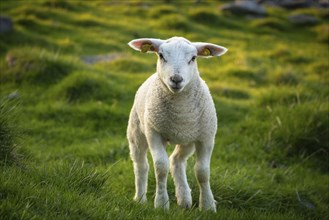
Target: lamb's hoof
208, 206
161, 201
184, 202
140, 199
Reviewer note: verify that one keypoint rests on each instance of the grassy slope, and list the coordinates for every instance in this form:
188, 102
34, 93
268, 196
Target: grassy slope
270, 90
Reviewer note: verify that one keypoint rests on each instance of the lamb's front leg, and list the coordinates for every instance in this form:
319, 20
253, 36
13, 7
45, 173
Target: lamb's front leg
178, 172
202, 173
161, 168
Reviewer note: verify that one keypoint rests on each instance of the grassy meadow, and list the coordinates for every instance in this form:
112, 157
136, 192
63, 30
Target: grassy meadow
68, 80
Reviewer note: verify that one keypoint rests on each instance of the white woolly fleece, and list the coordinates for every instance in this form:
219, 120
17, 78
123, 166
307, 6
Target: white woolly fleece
173, 105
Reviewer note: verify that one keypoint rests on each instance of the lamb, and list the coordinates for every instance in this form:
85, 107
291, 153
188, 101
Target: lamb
173, 105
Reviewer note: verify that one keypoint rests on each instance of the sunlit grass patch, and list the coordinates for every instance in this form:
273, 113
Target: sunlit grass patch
129, 64
87, 20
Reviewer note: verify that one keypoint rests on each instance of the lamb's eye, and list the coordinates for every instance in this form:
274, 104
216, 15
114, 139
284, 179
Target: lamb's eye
192, 60
161, 57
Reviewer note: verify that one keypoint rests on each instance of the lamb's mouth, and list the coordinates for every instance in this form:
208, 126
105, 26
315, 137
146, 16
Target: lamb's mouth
176, 88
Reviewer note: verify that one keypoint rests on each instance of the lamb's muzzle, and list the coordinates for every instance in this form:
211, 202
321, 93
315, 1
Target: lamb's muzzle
173, 104
176, 82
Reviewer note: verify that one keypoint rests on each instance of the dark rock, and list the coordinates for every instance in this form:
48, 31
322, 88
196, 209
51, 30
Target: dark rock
295, 4
303, 19
6, 25
324, 3
245, 7
268, 2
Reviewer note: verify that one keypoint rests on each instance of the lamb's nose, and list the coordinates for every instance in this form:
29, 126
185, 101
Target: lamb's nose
176, 79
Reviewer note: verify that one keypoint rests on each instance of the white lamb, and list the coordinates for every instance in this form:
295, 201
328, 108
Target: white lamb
173, 105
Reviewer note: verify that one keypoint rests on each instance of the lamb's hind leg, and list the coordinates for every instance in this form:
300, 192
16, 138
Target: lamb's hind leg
178, 171
138, 152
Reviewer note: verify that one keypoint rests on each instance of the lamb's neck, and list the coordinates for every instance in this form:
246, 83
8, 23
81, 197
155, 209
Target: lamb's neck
185, 101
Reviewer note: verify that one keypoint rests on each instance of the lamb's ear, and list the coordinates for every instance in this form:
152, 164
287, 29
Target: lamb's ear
146, 44
209, 50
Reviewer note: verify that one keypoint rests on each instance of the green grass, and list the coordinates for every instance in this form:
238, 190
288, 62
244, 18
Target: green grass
9, 132
64, 154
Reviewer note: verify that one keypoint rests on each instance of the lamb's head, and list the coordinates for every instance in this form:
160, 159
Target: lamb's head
176, 64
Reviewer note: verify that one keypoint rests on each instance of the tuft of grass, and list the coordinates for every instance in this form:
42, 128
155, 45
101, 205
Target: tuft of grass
128, 64
162, 10
288, 78
283, 96
174, 21
34, 65
27, 21
211, 18
72, 181
322, 33
231, 93
204, 16
59, 4
83, 86
269, 23
87, 20
321, 69
303, 135
280, 52
9, 132
252, 76
76, 176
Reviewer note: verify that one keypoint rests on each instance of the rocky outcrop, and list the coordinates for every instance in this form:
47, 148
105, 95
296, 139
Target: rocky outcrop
245, 7
256, 7
295, 4
6, 24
